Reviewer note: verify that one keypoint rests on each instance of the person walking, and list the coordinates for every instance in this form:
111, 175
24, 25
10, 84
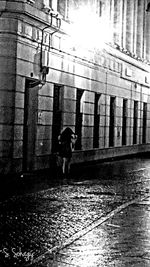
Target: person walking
66, 139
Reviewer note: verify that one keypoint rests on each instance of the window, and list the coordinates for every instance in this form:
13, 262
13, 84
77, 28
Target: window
148, 7
96, 122
78, 126
99, 8
50, 3
144, 123
63, 8
124, 122
112, 121
135, 122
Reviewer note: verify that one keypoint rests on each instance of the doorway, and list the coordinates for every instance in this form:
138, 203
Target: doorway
30, 124
57, 116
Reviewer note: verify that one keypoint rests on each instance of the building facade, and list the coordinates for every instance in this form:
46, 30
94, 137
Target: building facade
60, 68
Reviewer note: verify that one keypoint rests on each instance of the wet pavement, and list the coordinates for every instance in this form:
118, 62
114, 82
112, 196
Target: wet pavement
123, 240
101, 217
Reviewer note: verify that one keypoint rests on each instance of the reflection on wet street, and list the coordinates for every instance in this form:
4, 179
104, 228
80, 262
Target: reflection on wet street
99, 218
122, 241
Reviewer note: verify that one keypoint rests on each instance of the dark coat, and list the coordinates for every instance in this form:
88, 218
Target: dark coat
65, 143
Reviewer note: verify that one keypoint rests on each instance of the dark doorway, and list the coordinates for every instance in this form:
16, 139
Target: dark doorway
57, 117
144, 123
135, 122
112, 121
30, 124
124, 122
96, 122
78, 126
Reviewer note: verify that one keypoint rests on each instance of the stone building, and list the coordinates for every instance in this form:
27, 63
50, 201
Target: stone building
82, 64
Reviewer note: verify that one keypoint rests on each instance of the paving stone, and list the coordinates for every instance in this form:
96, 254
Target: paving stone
122, 241
36, 223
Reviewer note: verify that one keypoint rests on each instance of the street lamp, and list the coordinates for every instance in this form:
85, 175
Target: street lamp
88, 30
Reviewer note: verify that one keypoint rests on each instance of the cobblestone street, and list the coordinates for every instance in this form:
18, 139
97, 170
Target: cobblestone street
121, 241
100, 218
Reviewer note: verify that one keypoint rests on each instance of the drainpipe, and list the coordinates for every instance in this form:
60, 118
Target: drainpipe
44, 69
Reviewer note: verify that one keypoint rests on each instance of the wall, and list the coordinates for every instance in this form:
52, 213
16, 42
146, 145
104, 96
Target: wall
9, 114
108, 72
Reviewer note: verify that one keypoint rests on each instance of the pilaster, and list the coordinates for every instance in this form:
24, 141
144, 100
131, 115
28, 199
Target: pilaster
140, 28
130, 25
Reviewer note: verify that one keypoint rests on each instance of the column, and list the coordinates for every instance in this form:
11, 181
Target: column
112, 12
118, 8
147, 35
140, 28
124, 23
144, 30
130, 25
135, 25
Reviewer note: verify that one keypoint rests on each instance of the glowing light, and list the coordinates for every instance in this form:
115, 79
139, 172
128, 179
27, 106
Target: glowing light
88, 30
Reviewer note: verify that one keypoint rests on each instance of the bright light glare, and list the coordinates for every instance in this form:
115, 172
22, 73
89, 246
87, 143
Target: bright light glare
89, 30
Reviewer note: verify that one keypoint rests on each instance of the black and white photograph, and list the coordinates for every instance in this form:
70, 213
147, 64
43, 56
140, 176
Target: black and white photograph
74, 133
